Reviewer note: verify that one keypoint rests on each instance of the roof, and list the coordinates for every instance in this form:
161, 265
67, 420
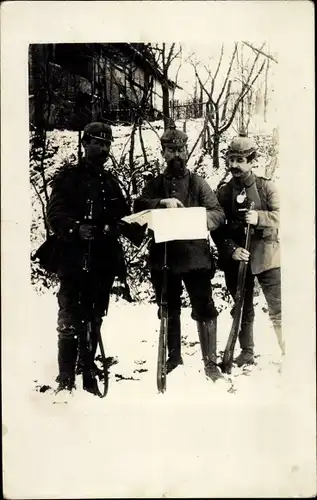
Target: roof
143, 57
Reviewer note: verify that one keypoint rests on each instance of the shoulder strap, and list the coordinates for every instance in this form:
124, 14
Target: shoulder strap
262, 192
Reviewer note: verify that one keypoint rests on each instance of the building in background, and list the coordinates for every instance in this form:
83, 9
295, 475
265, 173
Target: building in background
71, 84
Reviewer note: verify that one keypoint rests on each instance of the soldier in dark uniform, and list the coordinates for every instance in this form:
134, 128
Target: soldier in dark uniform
85, 202
263, 259
188, 261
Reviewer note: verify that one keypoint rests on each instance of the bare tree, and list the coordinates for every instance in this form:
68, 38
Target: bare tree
216, 102
266, 89
164, 55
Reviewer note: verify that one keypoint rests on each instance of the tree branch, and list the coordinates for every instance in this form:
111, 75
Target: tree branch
194, 146
217, 71
169, 57
228, 73
42, 205
260, 51
241, 96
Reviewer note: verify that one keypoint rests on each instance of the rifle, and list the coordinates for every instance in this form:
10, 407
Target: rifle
90, 331
161, 359
238, 307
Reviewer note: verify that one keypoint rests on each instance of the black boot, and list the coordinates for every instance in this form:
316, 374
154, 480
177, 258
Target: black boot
173, 343
67, 354
207, 331
246, 357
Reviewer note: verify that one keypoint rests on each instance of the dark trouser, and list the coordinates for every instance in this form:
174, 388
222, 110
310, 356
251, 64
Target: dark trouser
81, 298
270, 282
198, 286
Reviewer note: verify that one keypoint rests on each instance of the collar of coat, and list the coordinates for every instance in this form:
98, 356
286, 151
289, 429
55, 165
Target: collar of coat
168, 175
246, 183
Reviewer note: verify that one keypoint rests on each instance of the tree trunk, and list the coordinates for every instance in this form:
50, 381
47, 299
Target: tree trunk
131, 157
209, 147
166, 109
265, 90
42, 166
142, 144
215, 152
201, 100
224, 111
79, 146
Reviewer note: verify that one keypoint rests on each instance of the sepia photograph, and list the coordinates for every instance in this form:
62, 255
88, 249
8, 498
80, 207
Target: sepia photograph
157, 358
116, 129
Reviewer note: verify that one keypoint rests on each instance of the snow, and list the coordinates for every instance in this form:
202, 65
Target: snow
237, 437
194, 440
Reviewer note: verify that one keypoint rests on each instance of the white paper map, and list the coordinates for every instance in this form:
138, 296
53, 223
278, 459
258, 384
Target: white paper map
170, 224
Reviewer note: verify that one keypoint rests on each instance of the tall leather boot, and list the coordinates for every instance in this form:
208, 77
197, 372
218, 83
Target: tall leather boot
207, 331
246, 357
67, 354
173, 343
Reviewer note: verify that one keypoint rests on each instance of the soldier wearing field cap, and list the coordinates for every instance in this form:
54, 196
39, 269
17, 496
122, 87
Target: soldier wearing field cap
85, 202
188, 261
263, 259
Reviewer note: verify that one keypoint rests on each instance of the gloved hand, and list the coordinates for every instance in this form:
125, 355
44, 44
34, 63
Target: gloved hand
87, 231
171, 203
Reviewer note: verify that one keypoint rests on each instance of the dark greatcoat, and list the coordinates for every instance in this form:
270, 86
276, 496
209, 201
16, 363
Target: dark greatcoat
68, 208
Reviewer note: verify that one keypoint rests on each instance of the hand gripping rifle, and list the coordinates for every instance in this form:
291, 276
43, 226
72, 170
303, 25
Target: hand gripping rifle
161, 359
238, 307
91, 329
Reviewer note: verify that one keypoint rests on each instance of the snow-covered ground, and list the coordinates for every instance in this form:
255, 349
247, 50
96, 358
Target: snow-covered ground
235, 438
199, 439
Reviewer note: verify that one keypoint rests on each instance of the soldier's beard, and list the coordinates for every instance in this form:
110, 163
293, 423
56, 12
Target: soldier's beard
176, 166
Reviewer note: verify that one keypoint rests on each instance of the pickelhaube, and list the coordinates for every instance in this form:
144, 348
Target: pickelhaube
241, 146
98, 130
174, 137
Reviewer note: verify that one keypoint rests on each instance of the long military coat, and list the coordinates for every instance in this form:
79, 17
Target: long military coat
68, 208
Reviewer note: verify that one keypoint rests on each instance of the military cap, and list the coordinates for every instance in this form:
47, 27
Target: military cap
241, 146
98, 130
174, 137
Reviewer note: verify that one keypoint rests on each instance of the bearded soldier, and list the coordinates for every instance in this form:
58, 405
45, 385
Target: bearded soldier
188, 261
